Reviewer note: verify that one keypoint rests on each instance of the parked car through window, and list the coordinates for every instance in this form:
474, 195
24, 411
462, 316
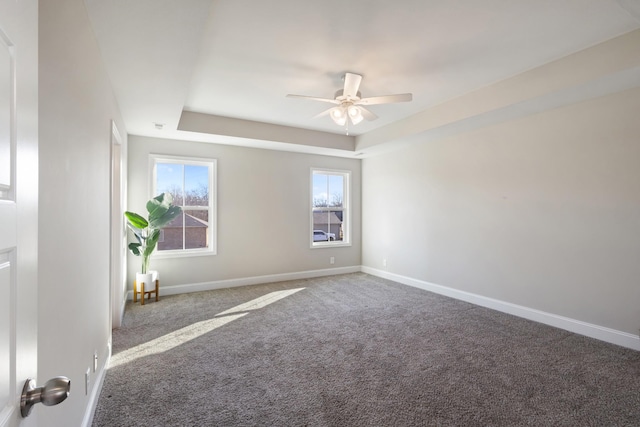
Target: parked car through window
323, 236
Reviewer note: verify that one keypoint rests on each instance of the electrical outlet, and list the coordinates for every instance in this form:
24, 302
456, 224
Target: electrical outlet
332, 260
384, 262
95, 362
86, 381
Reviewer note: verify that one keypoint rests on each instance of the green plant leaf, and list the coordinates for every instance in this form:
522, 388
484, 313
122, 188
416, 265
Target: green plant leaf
136, 220
155, 209
147, 232
153, 237
136, 232
135, 248
165, 198
166, 218
152, 242
159, 205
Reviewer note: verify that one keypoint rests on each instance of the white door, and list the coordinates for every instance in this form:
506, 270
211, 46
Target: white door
18, 205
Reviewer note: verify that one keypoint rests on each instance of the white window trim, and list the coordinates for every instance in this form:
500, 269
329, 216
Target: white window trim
346, 208
213, 197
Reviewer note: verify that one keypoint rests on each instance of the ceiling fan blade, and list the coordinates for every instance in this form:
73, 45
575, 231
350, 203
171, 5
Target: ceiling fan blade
351, 85
313, 98
324, 113
387, 99
367, 114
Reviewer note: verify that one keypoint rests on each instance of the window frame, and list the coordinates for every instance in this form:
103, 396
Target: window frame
154, 159
346, 208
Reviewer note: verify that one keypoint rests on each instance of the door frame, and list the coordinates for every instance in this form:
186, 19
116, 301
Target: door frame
118, 232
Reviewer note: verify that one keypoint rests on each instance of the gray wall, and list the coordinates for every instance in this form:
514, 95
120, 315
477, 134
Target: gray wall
542, 211
263, 212
76, 106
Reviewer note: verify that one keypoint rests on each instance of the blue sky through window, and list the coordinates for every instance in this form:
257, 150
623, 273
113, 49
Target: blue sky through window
175, 178
169, 176
328, 189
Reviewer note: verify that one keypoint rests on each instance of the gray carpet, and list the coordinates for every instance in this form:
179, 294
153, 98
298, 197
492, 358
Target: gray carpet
356, 350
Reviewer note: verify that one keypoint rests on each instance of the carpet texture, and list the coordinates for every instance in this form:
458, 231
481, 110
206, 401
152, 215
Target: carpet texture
356, 350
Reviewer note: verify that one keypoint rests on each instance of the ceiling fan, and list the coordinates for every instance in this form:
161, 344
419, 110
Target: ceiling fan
349, 104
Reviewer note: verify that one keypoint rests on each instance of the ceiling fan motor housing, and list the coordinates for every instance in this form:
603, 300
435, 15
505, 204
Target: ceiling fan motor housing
339, 96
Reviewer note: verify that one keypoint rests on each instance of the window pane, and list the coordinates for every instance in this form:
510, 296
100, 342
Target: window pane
191, 182
192, 225
320, 190
170, 179
327, 226
335, 225
172, 235
329, 207
336, 190
196, 229
196, 182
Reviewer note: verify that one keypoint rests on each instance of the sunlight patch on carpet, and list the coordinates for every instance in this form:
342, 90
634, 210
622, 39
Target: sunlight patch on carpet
261, 302
195, 330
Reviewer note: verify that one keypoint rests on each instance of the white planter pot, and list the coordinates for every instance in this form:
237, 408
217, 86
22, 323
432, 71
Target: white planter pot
149, 280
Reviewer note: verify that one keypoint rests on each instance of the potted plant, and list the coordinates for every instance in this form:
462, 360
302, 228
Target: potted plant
161, 211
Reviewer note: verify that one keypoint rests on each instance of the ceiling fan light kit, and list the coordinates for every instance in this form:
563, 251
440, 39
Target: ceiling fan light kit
349, 104
355, 114
338, 116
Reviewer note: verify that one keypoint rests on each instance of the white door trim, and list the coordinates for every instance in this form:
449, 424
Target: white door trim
117, 252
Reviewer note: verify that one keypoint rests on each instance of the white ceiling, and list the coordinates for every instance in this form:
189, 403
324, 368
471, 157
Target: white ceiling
240, 58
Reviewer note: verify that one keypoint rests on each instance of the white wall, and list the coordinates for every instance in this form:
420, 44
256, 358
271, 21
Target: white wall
76, 109
262, 207
542, 212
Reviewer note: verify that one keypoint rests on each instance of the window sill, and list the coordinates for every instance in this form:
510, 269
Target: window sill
182, 254
320, 245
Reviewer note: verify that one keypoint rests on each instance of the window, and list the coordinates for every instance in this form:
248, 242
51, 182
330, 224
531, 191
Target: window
330, 208
191, 183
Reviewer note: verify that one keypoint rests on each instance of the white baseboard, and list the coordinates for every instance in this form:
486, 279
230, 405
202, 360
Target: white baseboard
87, 421
255, 280
612, 336
602, 333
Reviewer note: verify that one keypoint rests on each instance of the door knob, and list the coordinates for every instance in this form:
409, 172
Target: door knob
53, 392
